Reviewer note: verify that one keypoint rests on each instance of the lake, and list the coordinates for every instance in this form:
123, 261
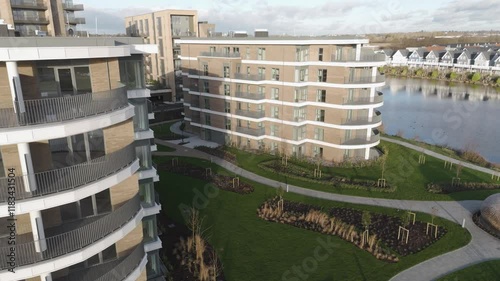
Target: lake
460, 116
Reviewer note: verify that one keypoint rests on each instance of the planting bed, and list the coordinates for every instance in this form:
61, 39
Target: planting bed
221, 181
465, 186
476, 218
218, 152
347, 224
299, 172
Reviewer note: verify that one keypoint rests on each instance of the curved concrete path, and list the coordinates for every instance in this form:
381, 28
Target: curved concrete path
483, 247
442, 157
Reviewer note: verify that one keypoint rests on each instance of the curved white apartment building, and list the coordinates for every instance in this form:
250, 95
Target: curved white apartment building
307, 97
77, 200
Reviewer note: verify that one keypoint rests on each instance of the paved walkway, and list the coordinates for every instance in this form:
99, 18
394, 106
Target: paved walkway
442, 157
483, 247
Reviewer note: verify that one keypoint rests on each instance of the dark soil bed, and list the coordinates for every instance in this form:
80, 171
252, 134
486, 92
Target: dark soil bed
218, 152
171, 234
302, 173
384, 226
221, 181
446, 188
477, 220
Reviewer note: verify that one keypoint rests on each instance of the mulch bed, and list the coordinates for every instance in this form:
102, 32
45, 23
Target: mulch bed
171, 236
445, 188
218, 152
221, 181
384, 226
303, 173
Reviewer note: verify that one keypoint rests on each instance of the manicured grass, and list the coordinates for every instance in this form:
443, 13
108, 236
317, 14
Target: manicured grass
253, 249
164, 148
402, 170
487, 271
163, 132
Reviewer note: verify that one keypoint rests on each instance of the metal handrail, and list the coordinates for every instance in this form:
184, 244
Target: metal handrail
365, 56
362, 120
125, 267
51, 110
364, 79
365, 100
74, 240
220, 54
27, 4
71, 177
251, 96
251, 131
360, 140
251, 114
253, 77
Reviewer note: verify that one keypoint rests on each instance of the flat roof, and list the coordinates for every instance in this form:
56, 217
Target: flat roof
20, 42
276, 40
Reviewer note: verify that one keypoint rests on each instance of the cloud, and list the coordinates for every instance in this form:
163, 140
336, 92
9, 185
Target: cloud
109, 21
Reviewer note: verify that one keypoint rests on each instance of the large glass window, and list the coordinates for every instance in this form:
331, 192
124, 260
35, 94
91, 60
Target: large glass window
96, 143
147, 192
158, 26
82, 79
141, 121
47, 82
143, 152
153, 265
132, 73
149, 229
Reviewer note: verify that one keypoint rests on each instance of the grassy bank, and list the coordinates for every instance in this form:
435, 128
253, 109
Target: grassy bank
253, 249
486, 271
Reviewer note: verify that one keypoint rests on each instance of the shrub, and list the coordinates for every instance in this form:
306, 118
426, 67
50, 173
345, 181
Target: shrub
419, 72
435, 74
476, 77
404, 71
453, 76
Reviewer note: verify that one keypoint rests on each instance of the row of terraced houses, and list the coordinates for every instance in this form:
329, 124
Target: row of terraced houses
473, 58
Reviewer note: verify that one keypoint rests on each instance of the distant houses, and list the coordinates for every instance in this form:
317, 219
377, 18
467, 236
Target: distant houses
476, 58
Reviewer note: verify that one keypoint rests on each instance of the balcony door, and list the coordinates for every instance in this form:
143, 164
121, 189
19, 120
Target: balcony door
65, 79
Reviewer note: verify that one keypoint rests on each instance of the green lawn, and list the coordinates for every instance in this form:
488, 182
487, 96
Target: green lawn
164, 148
486, 271
163, 132
253, 249
402, 170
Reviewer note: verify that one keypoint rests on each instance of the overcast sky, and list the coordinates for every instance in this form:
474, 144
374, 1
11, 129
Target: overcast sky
310, 17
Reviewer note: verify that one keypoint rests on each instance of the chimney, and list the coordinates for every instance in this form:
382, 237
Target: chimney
261, 33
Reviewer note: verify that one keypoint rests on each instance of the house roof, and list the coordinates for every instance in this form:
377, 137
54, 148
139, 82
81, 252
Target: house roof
403, 52
388, 52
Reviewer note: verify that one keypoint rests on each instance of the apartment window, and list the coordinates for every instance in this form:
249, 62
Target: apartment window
147, 193
302, 54
238, 68
262, 72
160, 47
299, 133
227, 89
299, 114
318, 151
206, 88
205, 69
131, 73
248, 53
248, 70
303, 75
319, 134
212, 49
158, 27
226, 72
275, 72
227, 107
261, 53
274, 130
226, 50
207, 119
339, 53
238, 122
146, 26
320, 115
141, 27
207, 103
274, 146
236, 50
261, 90
153, 267
321, 96
275, 93
320, 54
300, 95
248, 142
275, 112
322, 75
143, 152
228, 124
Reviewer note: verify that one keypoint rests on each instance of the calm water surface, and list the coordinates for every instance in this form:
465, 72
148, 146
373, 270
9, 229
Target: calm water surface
437, 112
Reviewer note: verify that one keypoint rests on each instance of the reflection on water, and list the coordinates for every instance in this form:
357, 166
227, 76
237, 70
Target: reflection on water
457, 115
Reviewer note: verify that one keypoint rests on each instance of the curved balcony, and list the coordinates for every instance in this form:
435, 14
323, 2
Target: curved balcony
71, 237
363, 120
365, 79
365, 100
28, 4
69, 178
52, 110
356, 141
116, 270
251, 114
